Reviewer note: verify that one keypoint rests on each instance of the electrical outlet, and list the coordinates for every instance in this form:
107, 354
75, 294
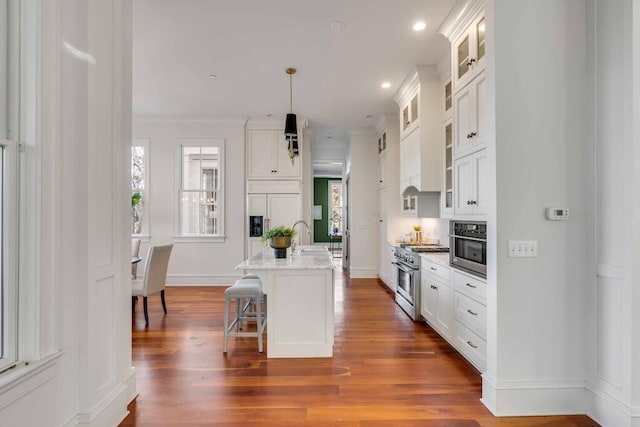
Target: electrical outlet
523, 248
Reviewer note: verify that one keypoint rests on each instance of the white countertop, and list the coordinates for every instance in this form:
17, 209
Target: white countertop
440, 258
304, 257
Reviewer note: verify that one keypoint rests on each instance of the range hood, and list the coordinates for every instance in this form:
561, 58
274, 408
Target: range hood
420, 204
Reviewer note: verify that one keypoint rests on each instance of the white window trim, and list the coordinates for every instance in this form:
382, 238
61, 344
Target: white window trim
204, 238
9, 233
330, 202
146, 212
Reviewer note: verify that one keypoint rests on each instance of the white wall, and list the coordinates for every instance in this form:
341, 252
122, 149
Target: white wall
194, 262
75, 288
538, 75
363, 208
614, 343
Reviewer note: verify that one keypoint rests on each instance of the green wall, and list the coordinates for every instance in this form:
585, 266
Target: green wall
321, 197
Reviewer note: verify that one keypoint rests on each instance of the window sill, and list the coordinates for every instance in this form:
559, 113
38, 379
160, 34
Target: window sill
199, 239
24, 378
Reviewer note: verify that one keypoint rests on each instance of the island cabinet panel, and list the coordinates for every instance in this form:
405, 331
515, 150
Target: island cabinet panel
300, 300
301, 314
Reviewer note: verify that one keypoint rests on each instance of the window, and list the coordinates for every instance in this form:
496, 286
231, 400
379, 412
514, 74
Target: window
201, 190
139, 187
335, 207
8, 211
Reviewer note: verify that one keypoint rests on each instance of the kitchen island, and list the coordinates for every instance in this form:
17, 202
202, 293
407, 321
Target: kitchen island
300, 300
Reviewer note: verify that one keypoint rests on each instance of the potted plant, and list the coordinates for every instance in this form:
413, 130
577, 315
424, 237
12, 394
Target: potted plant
279, 239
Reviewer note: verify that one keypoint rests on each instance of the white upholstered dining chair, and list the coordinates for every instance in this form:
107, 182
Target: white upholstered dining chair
155, 276
135, 252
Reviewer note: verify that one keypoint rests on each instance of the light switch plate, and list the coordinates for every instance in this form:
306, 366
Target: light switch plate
523, 248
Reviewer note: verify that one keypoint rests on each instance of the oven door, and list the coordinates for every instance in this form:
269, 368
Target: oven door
406, 289
469, 254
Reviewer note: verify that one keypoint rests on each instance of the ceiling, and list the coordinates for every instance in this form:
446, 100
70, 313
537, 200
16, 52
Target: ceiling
247, 44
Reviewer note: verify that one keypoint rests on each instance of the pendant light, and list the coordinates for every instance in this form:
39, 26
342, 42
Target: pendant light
291, 122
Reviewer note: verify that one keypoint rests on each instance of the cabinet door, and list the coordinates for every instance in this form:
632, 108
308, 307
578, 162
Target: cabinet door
382, 225
469, 114
480, 89
260, 154
257, 204
285, 168
382, 171
463, 183
283, 209
429, 293
464, 120
482, 181
468, 53
446, 312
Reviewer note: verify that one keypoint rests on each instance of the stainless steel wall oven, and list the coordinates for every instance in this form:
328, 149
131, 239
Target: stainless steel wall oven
468, 246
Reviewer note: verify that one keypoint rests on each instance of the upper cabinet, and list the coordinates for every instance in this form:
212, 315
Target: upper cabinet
421, 149
268, 156
469, 117
468, 53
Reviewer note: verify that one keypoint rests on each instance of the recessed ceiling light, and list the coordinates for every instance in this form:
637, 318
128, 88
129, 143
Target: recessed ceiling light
213, 76
326, 115
419, 26
385, 85
337, 26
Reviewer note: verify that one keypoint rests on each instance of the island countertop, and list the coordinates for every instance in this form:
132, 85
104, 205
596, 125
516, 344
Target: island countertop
304, 257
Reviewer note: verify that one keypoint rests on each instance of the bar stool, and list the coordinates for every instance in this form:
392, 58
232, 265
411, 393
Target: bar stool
247, 293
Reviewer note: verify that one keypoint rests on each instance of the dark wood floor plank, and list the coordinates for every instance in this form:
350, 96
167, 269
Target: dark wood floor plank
387, 371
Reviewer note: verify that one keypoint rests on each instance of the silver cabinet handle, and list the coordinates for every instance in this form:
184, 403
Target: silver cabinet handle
434, 269
472, 313
472, 345
470, 285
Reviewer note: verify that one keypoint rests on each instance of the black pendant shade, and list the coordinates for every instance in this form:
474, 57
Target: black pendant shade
291, 122
291, 126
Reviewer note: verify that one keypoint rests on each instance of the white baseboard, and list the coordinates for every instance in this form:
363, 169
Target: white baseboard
363, 273
109, 412
130, 382
519, 398
202, 280
607, 410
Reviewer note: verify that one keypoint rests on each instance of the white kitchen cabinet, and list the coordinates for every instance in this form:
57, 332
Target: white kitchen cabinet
409, 113
382, 171
470, 176
421, 115
469, 117
268, 156
468, 52
447, 102
388, 270
437, 297
447, 190
470, 293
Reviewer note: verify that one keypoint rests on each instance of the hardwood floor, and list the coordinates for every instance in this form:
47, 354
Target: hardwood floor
387, 371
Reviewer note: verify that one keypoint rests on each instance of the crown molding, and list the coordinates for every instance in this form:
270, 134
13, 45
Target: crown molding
460, 17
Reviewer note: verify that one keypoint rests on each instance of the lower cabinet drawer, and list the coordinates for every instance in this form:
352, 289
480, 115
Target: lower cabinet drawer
471, 286
471, 313
471, 345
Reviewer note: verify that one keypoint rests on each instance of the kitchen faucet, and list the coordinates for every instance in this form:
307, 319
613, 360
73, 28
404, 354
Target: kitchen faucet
293, 227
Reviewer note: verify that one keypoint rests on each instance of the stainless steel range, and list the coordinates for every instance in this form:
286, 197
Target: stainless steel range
407, 262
